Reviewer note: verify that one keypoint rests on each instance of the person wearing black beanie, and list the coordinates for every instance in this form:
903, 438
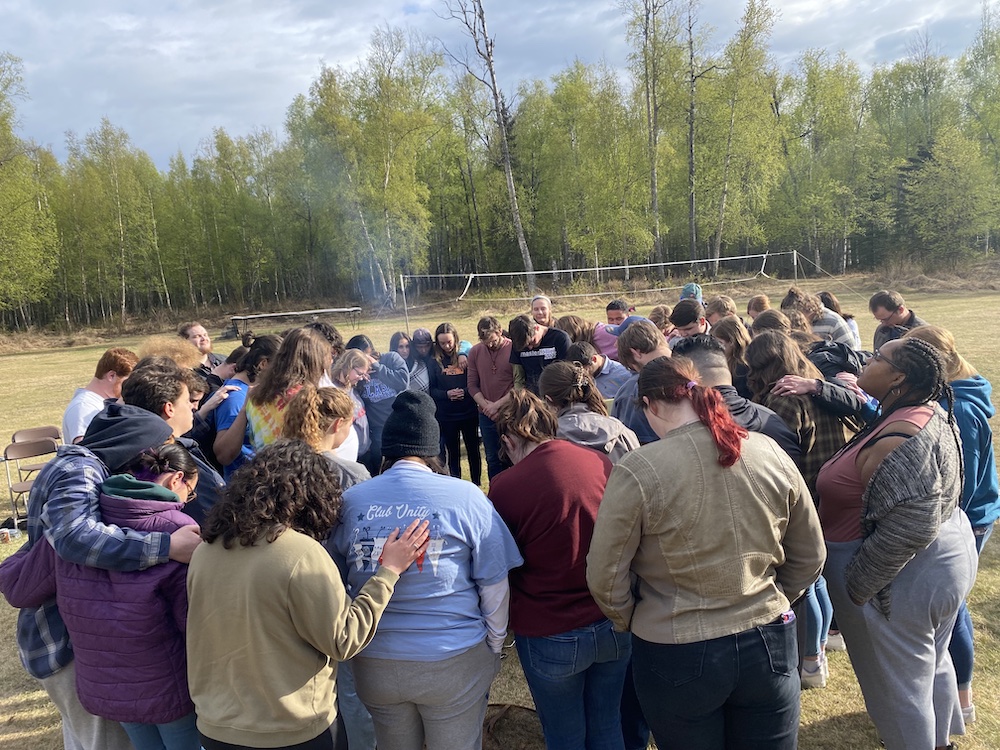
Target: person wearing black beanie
411, 429
437, 646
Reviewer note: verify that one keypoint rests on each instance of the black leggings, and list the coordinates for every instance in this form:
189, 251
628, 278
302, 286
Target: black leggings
469, 430
323, 742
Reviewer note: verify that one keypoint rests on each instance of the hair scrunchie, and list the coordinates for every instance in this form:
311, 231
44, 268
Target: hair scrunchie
691, 384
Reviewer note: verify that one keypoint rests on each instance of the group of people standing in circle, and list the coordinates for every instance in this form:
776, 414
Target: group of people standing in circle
681, 509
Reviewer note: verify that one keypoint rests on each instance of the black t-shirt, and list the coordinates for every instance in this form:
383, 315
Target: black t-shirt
553, 346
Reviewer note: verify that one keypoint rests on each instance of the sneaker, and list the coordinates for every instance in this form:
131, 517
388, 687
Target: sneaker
814, 673
969, 714
835, 642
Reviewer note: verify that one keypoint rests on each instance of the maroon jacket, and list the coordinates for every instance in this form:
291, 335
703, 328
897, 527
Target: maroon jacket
549, 501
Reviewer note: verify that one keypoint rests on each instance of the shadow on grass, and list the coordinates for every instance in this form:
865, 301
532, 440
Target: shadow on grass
853, 730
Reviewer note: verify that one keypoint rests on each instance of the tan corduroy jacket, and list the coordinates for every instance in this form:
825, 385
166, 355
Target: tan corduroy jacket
686, 550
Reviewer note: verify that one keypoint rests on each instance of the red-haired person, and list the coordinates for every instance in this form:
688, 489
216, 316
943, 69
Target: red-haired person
112, 368
703, 540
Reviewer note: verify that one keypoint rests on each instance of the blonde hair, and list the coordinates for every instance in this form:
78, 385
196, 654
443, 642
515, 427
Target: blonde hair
957, 366
346, 362
181, 351
722, 305
309, 416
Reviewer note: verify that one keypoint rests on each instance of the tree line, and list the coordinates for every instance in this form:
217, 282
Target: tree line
414, 161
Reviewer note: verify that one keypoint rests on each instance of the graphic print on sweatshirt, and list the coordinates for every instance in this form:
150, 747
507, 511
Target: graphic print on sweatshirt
373, 528
375, 391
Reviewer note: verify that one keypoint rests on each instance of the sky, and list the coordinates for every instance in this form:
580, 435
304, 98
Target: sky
170, 71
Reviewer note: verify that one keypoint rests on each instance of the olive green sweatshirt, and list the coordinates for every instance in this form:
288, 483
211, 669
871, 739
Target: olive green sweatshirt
266, 626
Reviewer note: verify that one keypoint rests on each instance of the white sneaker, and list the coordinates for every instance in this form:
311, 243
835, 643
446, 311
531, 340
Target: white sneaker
835, 642
969, 714
814, 673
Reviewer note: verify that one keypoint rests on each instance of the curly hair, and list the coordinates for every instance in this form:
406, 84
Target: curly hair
805, 302
772, 355
333, 337
287, 485
311, 413
302, 358
674, 379
576, 328
563, 383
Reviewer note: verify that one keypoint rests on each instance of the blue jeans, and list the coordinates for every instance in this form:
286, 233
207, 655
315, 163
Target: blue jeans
736, 692
576, 680
491, 446
181, 734
817, 611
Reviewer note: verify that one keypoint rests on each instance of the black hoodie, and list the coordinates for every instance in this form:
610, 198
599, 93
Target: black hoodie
121, 432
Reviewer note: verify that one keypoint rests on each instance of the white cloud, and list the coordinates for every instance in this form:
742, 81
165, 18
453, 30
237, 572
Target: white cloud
168, 73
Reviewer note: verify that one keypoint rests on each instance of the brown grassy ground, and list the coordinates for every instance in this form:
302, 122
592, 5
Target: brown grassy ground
35, 386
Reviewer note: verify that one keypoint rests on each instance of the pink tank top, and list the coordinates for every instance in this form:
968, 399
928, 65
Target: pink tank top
839, 482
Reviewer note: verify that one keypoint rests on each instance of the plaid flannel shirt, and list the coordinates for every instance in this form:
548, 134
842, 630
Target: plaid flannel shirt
63, 508
820, 433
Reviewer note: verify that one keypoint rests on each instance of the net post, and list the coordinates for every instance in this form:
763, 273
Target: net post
406, 311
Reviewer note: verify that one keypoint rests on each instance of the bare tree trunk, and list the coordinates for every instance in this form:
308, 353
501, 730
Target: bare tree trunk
156, 250
472, 15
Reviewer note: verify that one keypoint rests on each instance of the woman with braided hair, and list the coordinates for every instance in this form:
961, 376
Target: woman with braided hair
901, 554
569, 389
703, 540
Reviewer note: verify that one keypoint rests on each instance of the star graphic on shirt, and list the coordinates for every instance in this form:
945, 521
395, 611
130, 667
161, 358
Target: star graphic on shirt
435, 516
361, 516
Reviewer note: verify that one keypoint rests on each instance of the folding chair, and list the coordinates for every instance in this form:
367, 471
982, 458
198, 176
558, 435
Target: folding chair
19, 483
35, 433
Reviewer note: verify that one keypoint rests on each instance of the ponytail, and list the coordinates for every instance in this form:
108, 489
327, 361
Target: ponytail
673, 379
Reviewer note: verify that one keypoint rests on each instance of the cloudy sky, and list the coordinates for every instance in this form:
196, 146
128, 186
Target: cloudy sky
170, 71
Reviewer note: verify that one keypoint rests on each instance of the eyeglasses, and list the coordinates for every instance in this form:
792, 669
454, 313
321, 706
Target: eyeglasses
192, 490
880, 357
886, 319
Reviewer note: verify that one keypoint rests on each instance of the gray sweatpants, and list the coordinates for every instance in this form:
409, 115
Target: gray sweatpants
440, 703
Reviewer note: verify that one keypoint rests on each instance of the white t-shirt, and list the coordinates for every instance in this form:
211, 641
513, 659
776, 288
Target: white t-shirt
83, 407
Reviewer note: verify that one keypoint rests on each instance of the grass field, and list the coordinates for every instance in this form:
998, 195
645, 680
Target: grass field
35, 387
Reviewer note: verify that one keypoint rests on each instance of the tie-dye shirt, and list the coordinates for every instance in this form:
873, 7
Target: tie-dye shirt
264, 421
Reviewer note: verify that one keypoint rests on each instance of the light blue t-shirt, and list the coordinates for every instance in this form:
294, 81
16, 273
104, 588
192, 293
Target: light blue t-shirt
434, 612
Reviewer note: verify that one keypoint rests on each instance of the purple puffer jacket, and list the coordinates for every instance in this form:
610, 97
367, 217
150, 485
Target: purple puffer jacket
127, 629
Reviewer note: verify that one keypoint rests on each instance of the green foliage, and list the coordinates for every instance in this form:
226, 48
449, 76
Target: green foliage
395, 165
